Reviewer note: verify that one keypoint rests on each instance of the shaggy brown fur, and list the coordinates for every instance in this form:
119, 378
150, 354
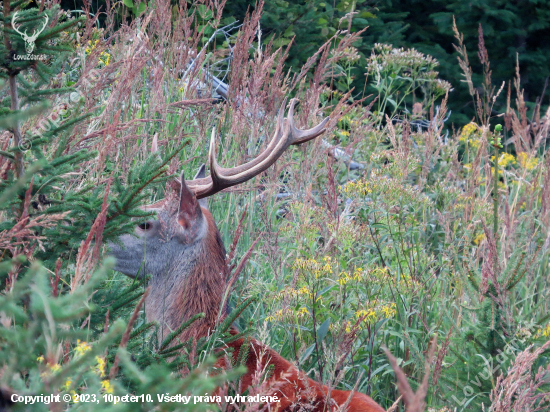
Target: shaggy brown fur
293, 388
203, 290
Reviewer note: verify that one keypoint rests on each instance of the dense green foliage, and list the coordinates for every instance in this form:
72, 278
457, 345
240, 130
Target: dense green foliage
53, 223
514, 32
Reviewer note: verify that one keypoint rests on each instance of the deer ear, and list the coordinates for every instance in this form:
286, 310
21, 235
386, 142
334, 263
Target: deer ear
189, 212
201, 173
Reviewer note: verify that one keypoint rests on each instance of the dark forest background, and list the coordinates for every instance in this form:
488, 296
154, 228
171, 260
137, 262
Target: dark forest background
514, 32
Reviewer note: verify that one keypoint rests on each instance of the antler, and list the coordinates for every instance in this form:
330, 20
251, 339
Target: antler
286, 134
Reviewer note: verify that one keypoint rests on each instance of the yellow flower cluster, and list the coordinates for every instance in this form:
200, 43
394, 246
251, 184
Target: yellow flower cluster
335, 327
526, 161
505, 159
546, 331
479, 238
100, 370
100, 367
376, 310
106, 386
51, 369
359, 188
346, 277
91, 46
468, 130
381, 273
104, 57
319, 269
468, 135
292, 293
82, 347
289, 314
67, 384
389, 311
368, 314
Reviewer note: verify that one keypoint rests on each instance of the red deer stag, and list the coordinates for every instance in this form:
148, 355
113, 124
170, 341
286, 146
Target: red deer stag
183, 251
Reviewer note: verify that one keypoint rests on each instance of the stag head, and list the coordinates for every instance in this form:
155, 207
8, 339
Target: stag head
180, 224
181, 246
29, 40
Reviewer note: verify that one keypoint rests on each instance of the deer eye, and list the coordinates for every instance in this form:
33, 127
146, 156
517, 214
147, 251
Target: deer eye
145, 226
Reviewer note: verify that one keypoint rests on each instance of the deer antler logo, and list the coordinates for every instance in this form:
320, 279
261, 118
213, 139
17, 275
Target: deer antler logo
29, 40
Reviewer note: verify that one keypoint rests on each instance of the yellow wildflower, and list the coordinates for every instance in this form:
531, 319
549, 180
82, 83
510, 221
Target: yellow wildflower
292, 293
526, 161
376, 310
82, 347
467, 131
51, 369
317, 268
343, 278
104, 58
389, 311
91, 46
358, 274
288, 315
368, 314
545, 331
67, 385
348, 327
106, 386
100, 368
302, 312
505, 159
479, 238
359, 188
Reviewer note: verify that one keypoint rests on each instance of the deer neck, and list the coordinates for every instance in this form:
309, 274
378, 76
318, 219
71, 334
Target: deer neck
194, 283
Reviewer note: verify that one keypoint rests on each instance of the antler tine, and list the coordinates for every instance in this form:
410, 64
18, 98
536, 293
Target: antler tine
301, 136
286, 134
214, 167
262, 156
205, 186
